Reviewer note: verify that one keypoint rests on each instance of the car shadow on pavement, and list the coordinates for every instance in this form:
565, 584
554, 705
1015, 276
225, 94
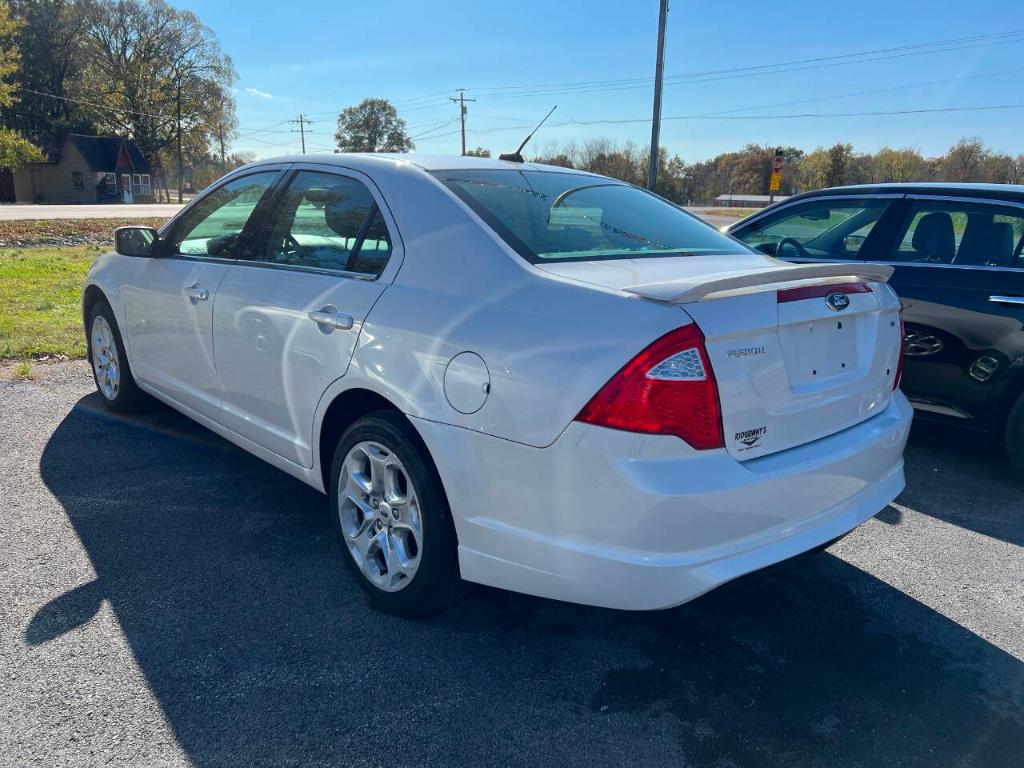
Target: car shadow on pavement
260, 649
964, 479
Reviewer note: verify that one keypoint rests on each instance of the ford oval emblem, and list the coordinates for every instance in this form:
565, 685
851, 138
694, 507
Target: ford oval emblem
837, 301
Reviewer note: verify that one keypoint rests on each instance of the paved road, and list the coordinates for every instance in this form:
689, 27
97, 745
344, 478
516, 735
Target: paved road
714, 220
111, 211
165, 600
116, 211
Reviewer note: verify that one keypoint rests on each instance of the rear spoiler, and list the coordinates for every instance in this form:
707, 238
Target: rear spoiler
701, 287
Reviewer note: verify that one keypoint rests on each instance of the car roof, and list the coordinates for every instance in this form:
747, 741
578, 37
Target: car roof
1013, 192
370, 160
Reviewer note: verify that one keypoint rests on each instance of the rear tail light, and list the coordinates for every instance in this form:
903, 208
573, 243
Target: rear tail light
899, 361
667, 389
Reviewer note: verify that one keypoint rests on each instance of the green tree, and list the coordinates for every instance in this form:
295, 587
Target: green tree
15, 150
830, 167
50, 40
373, 125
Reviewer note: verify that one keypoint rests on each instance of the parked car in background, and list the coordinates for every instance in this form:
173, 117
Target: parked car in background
533, 378
959, 270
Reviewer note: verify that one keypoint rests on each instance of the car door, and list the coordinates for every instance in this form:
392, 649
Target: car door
168, 298
959, 273
288, 315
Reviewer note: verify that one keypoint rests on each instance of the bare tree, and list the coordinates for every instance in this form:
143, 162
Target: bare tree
965, 161
158, 74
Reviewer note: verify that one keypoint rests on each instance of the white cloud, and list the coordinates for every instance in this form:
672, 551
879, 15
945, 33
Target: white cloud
257, 92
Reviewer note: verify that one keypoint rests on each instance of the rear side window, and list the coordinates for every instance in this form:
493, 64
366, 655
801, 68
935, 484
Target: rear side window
549, 216
966, 234
823, 229
327, 221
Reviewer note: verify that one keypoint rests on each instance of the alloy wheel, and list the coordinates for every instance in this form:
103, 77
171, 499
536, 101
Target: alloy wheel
105, 362
380, 516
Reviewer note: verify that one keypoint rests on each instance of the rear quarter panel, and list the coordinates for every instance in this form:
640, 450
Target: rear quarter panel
549, 343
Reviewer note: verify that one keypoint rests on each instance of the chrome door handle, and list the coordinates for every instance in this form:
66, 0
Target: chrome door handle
1014, 300
197, 293
331, 317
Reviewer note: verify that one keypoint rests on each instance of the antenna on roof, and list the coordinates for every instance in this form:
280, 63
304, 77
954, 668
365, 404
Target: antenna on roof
516, 157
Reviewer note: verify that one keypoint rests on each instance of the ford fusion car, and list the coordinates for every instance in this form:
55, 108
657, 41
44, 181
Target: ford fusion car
513, 374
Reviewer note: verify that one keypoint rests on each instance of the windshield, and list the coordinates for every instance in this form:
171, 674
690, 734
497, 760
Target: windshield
551, 216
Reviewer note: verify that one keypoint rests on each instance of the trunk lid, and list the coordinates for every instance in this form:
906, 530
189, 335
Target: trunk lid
791, 366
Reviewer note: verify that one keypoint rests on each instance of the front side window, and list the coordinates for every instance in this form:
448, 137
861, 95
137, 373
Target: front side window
823, 229
550, 216
966, 234
213, 226
321, 223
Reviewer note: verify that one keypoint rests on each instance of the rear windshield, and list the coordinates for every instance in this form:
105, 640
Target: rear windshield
550, 216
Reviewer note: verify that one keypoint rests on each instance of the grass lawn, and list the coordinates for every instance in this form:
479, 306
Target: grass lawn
733, 213
39, 300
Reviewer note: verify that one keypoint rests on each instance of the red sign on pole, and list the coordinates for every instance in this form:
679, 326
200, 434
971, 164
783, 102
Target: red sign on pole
777, 164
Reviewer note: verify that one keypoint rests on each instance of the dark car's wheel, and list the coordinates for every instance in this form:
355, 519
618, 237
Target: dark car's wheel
1014, 439
393, 517
110, 367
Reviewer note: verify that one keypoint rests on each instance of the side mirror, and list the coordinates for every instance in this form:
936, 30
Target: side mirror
134, 241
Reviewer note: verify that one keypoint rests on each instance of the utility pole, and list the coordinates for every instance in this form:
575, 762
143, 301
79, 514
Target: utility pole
659, 75
181, 182
461, 101
220, 137
302, 122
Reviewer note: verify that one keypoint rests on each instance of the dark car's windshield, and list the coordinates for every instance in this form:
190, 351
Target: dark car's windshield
551, 216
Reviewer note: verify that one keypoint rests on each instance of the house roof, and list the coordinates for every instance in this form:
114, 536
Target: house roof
109, 154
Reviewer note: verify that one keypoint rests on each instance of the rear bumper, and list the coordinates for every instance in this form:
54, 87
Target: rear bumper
631, 521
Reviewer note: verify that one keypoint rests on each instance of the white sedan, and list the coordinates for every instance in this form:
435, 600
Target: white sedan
513, 374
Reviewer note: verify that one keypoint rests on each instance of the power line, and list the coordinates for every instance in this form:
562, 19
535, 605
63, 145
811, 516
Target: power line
436, 128
89, 103
758, 71
266, 129
802, 115
586, 86
879, 113
830, 97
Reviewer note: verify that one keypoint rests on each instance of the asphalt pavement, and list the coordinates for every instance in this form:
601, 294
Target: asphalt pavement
166, 600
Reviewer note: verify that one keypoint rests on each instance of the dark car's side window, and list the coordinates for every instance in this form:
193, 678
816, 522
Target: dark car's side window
213, 225
821, 229
327, 221
964, 234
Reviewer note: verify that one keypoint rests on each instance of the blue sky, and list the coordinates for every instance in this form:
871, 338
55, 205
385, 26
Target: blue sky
317, 57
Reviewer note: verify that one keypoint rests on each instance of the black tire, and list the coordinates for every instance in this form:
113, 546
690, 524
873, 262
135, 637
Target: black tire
436, 580
1014, 437
127, 398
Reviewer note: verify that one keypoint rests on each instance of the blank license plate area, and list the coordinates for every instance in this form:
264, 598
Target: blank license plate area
819, 350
